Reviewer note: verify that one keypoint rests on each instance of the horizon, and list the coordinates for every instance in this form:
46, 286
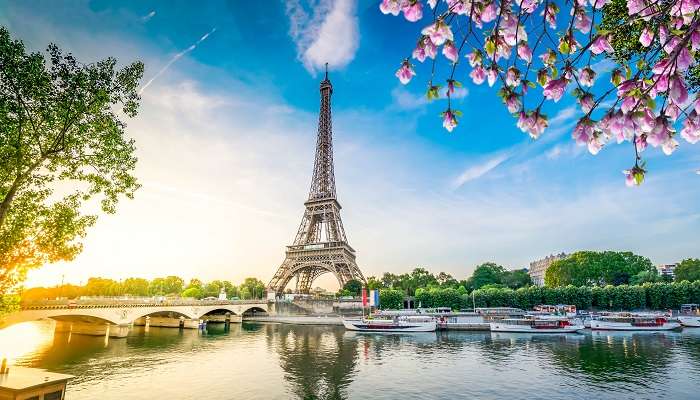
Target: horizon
230, 84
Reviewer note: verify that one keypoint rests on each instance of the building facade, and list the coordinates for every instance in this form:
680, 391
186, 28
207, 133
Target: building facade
667, 270
538, 268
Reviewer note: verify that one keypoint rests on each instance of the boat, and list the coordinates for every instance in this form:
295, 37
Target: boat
399, 324
537, 324
689, 315
634, 322
568, 310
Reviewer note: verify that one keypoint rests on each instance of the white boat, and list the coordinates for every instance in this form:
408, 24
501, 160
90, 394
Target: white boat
539, 324
398, 324
634, 322
689, 315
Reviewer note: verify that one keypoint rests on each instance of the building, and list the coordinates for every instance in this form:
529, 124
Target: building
21, 383
667, 270
539, 267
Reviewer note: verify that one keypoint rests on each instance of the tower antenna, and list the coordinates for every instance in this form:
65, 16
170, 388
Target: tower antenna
326, 71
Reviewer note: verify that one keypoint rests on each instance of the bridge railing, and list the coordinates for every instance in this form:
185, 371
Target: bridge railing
118, 302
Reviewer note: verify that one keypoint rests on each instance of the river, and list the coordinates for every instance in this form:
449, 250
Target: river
272, 361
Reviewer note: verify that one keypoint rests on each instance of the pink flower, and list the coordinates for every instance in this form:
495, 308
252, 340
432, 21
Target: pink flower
677, 91
634, 176
448, 120
542, 76
601, 44
432, 3
475, 57
513, 77
548, 58
550, 14
524, 52
533, 123
587, 103
424, 48
695, 40
392, 7
661, 133
513, 103
450, 51
684, 59
669, 146
413, 10
581, 20
405, 72
646, 37
529, 6
594, 145
489, 12
583, 132
691, 128
439, 32
492, 75
586, 76
640, 143
555, 88
478, 74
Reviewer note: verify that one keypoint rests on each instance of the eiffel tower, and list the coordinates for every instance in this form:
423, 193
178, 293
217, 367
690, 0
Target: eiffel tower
320, 245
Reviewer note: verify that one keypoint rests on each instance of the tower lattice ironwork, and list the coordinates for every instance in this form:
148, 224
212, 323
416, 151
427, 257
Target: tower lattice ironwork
320, 245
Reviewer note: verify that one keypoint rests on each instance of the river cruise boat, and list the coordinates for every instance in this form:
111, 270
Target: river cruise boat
634, 322
539, 324
689, 315
396, 325
568, 310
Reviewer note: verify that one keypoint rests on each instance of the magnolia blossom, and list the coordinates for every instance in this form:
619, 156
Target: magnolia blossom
489, 12
582, 21
587, 103
601, 44
439, 32
492, 75
392, 7
425, 48
512, 77
475, 58
478, 75
550, 14
413, 10
662, 132
405, 72
555, 88
598, 4
595, 144
448, 120
513, 103
533, 124
586, 76
524, 52
691, 128
646, 37
450, 51
677, 91
583, 132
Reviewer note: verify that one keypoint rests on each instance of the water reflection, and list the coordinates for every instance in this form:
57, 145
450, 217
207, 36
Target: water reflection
261, 361
319, 362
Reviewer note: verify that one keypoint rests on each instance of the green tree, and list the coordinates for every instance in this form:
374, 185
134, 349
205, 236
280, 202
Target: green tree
193, 292
60, 125
516, 279
586, 268
135, 286
252, 288
173, 285
688, 270
390, 299
644, 277
353, 287
100, 287
374, 283
485, 274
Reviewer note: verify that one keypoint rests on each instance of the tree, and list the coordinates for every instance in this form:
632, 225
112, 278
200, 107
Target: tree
59, 126
193, 292
135, 286
688, 270
390, 299
485, 274
516, 279
586, 268
644, 277
252, 288
353, 287
172, 285
532, 60
374, 283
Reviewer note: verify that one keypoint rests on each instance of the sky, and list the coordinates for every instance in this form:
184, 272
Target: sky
226, 134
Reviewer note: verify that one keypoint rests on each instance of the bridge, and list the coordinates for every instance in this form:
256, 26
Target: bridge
113, 317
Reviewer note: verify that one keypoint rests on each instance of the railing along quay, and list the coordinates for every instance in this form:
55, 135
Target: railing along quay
121, 303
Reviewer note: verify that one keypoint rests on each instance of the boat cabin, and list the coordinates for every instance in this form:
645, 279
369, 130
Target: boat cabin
635, 320
690, 309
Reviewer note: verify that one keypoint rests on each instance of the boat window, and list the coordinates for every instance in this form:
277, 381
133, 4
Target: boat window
53, 395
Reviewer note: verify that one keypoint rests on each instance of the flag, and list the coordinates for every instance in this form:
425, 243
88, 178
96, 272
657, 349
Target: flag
374, 298
364, 297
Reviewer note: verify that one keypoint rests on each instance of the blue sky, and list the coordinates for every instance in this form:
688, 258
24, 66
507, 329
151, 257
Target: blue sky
226, 142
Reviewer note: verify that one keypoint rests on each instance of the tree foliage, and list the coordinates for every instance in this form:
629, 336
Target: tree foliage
688, 270
60, 127
586, 268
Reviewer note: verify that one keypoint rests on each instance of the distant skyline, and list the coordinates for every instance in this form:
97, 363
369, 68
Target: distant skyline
226, 136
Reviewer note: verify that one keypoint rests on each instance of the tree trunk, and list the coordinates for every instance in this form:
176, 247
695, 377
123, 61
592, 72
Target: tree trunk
5, 205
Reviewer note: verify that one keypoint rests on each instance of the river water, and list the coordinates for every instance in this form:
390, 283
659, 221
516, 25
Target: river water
271, 361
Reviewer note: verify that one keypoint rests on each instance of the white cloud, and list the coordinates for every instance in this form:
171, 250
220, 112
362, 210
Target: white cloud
329, 35
479, 170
